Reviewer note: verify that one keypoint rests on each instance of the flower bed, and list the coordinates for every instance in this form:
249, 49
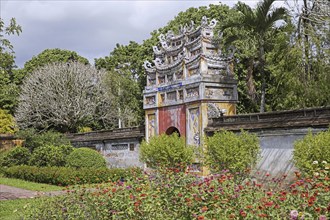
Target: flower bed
174, 195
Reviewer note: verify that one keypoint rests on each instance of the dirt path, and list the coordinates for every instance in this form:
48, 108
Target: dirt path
10, 192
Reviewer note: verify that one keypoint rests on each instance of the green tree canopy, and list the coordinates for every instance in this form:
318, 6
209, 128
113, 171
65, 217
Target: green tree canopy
49, 56
8, 76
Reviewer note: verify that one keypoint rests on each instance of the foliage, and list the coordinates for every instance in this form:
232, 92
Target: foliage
64, 176
16, 156
84, 129
9, 208
22, 184
7, 123
258, 26
236, 152
171, 195
85, 157
126, 98
310, 150
166, 151
50, 155
9, 80
33, 139
50, 56
63, 97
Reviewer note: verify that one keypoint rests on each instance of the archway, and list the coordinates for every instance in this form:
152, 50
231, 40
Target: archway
172, 130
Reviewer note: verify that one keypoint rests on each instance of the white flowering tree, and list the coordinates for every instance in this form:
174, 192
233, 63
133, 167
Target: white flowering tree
65, 96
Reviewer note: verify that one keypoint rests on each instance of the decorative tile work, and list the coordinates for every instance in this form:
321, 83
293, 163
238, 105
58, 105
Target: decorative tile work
193, 92
151, 125
193, 127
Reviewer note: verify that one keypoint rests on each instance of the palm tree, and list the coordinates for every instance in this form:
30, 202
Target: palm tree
259, 22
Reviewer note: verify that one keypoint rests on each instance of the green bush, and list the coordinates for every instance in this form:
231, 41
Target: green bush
7, 123
16, 156
235, 152
33, 139
50, 155
166, 151
67, 176
85, 157
312, 148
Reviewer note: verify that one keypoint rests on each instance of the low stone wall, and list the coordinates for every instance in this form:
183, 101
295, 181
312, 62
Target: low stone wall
277, 132
120, 147
8, 141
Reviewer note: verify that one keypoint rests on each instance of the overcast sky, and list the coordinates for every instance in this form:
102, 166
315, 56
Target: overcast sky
90, 28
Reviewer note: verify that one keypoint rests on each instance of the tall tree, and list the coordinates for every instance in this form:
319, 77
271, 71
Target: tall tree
49, 56
8, 77
259, 22
64, 97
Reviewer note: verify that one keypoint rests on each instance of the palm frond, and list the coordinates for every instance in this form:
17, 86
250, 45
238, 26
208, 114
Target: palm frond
263, 8
249, 17
276, 15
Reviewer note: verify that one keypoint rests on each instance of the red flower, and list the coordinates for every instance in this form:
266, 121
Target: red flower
242, 213
283, 198
232, 216
204, 209
262, 215
318, 209
269, 193
269, 204
200, 217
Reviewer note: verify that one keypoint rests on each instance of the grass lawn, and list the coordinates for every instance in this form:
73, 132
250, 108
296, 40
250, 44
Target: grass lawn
28, 185
10, 209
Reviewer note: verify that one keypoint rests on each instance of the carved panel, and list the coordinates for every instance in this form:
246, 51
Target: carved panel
171, 96
180, 97
151, 125
161, 79
219, 93
169, 78
162, 98
150, 100
193, 72
214, 111
193, 92
179, 75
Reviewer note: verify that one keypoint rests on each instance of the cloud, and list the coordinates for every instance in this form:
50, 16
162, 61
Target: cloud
90, 28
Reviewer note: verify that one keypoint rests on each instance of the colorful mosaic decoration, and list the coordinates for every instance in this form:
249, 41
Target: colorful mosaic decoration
193, 127
151, 125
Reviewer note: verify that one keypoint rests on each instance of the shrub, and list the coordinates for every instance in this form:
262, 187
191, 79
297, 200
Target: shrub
50, 155
85, 157
187, 196
312, 148
16, 156
7, 123
166, 151
67, 176
235, 152
33, 139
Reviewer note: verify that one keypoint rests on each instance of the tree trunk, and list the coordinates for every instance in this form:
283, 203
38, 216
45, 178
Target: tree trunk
263, 77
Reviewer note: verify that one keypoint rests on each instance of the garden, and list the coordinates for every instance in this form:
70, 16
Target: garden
170, 190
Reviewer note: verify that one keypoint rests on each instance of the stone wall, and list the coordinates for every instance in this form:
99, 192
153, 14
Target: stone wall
9, 141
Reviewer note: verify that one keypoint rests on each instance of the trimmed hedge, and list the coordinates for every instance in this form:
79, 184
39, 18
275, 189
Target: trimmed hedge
50, 155
68, 176
85, 157
16, 156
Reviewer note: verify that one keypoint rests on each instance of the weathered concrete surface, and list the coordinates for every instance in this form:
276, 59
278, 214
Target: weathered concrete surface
277, 150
